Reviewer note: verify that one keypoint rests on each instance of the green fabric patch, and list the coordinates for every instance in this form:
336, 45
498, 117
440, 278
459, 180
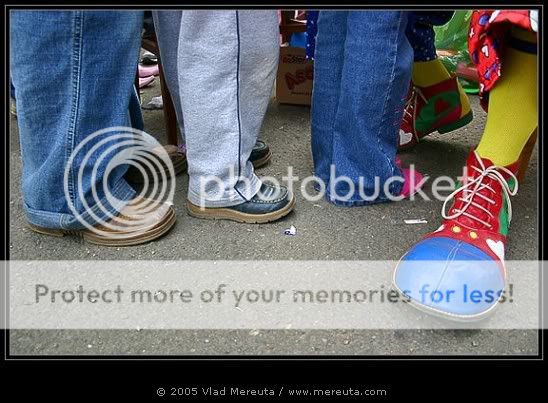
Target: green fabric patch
427, 116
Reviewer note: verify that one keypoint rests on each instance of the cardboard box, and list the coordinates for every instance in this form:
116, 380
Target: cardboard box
295, 76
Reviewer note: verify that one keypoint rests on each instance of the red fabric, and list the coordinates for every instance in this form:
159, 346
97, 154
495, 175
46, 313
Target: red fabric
486, 42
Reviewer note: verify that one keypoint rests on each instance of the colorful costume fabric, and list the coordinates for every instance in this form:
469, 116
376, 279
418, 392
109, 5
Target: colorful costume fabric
488, 37
468, 250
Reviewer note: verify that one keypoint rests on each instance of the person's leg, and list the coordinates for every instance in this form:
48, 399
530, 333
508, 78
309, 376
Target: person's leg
328, 65
135, 112
13, 108
85, 92
513, 112
226, 65
469, 248
167, 25
431, 81
375, 79
311, 32
428, 69
259, 55
210, 76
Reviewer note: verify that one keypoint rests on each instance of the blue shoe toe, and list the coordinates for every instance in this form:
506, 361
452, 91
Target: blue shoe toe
450, 276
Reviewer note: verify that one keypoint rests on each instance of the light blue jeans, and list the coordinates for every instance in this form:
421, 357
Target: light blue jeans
73, 73
362, 70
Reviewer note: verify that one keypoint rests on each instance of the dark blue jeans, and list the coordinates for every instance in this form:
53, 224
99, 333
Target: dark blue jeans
362, 71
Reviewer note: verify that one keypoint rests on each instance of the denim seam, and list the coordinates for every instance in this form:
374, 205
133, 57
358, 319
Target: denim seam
335, 133
75, 77
387, 97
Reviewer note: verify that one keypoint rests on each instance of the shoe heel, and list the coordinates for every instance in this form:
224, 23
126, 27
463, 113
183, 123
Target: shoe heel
457, 124
47, 231
525, 155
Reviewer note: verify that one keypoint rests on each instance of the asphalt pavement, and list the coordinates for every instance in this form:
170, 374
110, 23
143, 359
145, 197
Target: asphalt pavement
325, 232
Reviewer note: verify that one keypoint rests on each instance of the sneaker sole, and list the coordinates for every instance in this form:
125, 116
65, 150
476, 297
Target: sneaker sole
156, 232
232, 215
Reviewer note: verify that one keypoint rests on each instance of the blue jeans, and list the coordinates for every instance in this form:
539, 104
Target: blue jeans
73, 73
420, 32
362, 71
135, 114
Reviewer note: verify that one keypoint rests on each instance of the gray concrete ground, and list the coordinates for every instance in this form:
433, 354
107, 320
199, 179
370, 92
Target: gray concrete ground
324, 232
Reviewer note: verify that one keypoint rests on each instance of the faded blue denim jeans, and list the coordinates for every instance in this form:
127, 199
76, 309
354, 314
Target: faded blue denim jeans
362, 70
73, 73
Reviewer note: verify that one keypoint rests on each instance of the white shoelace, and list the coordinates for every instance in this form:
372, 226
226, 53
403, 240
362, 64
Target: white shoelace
493, 172
412, 102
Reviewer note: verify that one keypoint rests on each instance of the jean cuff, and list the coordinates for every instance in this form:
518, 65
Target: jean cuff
48, 219
395, 190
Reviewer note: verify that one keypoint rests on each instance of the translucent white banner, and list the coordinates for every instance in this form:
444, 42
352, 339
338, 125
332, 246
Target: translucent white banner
260, 295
